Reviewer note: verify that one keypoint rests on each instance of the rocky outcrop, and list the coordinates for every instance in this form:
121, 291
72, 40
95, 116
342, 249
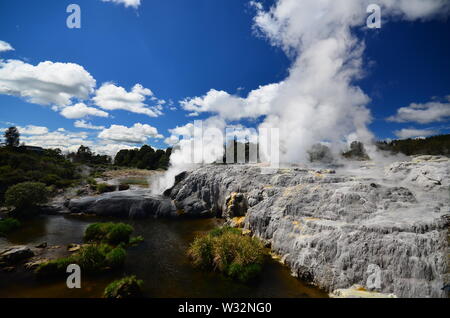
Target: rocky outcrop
130, 204
15, 255
383, 229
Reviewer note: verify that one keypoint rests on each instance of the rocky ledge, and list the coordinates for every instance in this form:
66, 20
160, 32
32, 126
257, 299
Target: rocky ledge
383, 228
129, 204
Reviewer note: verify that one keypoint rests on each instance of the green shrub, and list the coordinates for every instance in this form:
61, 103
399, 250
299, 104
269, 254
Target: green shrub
128, 287
110, 233
103, 188
136, 240
116, 257
26, 195
54, 268
8, 225
51, 179
92, 259
228, 251
91, 181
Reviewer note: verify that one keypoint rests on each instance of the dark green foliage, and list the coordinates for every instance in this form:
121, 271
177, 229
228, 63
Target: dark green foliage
228, 251
127, 287
8, 225
110, 233
356, 152
54, 268
21, 165
103, 188
144, 158
12, 137
84, 155
116, 257
136, 240
26, 195
436, 145
92, 259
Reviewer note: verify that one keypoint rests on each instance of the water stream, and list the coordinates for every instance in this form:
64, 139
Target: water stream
160, 261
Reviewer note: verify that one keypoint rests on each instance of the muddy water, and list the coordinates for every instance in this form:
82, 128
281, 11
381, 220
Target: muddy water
160, 261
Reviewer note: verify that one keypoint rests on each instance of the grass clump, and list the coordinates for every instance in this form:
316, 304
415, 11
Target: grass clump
8, 225
92, 259
136, 240
127, 287
110, 233
228, 251
103, 188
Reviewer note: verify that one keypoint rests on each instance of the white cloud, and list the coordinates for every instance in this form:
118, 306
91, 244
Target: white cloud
47, 83
80, 110
186, 131
414, 133
87, 125
32, 130
5, 46
112, 97
138, 133
423, 113
66, 141
127, 3
230, 107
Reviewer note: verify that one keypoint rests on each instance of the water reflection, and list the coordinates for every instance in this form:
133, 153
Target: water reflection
160, 261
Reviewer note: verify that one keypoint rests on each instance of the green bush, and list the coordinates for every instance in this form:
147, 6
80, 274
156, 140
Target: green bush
26, 195
228, 251
92, 259
55, 267
91, 181
116, 257
8, 225
110, 233
128, 287
136, 240
103, 188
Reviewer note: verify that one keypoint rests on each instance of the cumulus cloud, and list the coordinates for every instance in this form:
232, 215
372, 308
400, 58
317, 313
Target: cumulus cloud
414, 133
47, 83
80, 110
112, 97
230, 107
32, 130
423, 113
5, 46
138, 133
66, 141
87, 125
127, 3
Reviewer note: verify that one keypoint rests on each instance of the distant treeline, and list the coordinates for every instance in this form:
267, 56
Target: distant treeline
144, 158
436, 145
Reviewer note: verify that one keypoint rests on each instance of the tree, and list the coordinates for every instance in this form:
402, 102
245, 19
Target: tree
26, 195
12, 137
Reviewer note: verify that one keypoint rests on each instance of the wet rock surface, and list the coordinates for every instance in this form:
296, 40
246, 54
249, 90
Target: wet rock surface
14, 255
380, 227
129, 204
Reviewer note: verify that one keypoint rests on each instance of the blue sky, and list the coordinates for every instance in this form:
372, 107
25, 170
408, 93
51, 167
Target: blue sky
182, 49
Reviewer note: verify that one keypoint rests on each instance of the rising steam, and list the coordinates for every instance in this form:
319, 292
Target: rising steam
319, 100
